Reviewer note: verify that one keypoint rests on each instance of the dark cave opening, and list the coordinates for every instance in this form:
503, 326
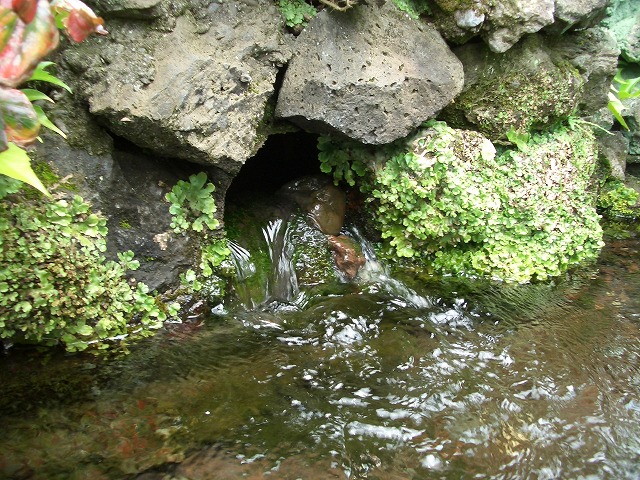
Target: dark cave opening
283, 157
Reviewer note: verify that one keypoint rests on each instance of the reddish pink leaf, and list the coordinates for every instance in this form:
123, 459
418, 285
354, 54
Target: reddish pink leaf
27, 45
26, 9
78, 19
79, 26
8, 20
20, 120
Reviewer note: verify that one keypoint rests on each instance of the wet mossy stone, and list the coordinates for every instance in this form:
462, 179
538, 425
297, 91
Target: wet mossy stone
521, 89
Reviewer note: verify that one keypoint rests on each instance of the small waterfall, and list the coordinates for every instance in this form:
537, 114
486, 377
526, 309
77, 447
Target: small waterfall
277, 280
250, 292
283, 283
375, 273
241, 259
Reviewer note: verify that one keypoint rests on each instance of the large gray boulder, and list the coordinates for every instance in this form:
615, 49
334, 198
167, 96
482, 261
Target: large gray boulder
370, 73
195, 87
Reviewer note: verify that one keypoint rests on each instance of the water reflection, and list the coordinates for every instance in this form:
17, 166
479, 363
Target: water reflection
386, 381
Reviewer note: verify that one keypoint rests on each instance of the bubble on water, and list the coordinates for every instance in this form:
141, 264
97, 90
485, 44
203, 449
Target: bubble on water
431, 462
386, 433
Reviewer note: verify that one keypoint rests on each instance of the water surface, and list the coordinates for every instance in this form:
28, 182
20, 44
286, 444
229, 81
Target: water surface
385, 379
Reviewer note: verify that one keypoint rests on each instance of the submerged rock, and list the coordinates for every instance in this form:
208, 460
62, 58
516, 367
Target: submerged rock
347, 254
323, 202
369, 73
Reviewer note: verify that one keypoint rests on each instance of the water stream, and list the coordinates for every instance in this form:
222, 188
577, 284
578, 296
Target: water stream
382, 378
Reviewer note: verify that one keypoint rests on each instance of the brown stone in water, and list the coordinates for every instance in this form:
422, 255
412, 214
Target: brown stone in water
347, 255
324, 203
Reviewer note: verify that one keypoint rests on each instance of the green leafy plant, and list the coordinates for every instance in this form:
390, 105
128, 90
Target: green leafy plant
338, 158
296, 12
622, 88
28, 33
193, 208
445, 198
192, 205
56, 285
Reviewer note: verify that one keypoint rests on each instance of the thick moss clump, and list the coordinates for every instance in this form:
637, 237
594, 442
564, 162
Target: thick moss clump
618, 200
447, 200
521, 89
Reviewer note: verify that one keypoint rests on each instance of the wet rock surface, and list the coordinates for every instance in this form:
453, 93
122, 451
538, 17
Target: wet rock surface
347, 254
129, 191
324, 203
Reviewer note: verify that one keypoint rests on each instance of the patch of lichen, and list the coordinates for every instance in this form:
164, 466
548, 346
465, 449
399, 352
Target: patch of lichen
447, 201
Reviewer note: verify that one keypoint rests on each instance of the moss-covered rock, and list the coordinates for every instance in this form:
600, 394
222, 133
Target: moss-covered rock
521, 89
447, 200
619, 200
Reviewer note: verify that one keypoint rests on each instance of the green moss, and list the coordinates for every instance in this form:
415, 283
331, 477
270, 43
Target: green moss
447, 200
618, 200
50, 178
520, 90
124, 223
312, 258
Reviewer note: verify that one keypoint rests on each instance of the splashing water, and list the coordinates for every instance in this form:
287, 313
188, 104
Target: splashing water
283, 285
377, 275
523, 382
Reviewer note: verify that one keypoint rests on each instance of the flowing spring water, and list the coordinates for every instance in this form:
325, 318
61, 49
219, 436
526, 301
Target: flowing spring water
385, 379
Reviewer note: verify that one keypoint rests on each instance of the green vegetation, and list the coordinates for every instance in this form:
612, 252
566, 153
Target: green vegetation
56, 286
617, 200
296, 12
192, 208
446, 199
413, 8
192, 205
346, 160
622, 88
